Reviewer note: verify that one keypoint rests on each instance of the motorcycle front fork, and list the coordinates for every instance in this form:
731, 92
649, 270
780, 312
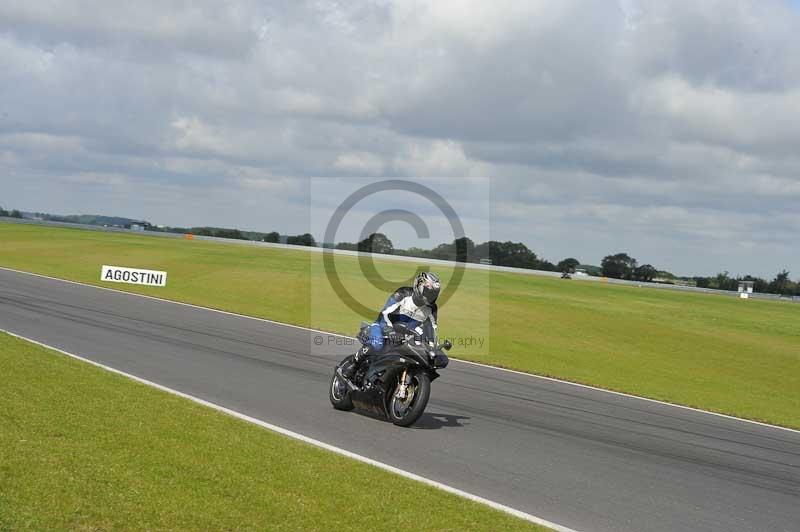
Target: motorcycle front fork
402, 390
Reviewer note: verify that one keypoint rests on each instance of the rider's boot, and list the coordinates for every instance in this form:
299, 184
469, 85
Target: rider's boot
348, 370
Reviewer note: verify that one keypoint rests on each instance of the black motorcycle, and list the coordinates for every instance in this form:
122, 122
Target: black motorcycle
397, 382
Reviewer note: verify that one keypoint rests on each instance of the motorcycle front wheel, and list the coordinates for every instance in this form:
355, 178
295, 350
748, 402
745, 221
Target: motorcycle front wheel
404, 412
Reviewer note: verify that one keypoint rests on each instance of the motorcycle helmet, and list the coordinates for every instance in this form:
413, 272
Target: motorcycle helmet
426, 289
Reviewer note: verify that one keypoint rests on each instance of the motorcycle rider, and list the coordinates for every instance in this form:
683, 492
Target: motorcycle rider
410, 305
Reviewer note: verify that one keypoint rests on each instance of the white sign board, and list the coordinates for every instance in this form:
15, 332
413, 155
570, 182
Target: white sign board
118, 274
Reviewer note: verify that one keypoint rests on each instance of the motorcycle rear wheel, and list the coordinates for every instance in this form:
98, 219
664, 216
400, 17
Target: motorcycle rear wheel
339, 394
404, 414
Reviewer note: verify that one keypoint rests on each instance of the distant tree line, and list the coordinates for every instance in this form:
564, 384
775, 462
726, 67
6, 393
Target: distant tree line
13, 214
623, 266
218, 232
780, 284
511, 254
237, 234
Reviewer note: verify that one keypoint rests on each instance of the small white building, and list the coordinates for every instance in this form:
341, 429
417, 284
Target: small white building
745, 289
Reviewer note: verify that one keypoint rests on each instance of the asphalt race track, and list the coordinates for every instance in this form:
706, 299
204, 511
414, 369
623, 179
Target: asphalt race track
578, 457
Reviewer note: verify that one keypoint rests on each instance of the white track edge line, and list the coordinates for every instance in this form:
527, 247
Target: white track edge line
317, 443
497, 368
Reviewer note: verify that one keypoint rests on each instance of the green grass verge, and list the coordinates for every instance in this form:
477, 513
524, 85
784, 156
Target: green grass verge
718, 353
85, 449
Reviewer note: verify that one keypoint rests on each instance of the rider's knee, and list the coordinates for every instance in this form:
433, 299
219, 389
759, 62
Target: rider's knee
376, 337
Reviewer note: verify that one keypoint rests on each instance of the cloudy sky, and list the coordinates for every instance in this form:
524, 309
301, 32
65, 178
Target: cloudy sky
670, 130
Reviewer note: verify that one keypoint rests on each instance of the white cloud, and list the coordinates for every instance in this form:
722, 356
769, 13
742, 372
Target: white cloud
437, 158
361, 163
92, 178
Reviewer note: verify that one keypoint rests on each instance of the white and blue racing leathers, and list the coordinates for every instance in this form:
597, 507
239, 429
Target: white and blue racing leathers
399, 308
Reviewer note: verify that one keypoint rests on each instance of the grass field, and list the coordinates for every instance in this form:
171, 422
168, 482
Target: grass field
85, 449
712, 352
